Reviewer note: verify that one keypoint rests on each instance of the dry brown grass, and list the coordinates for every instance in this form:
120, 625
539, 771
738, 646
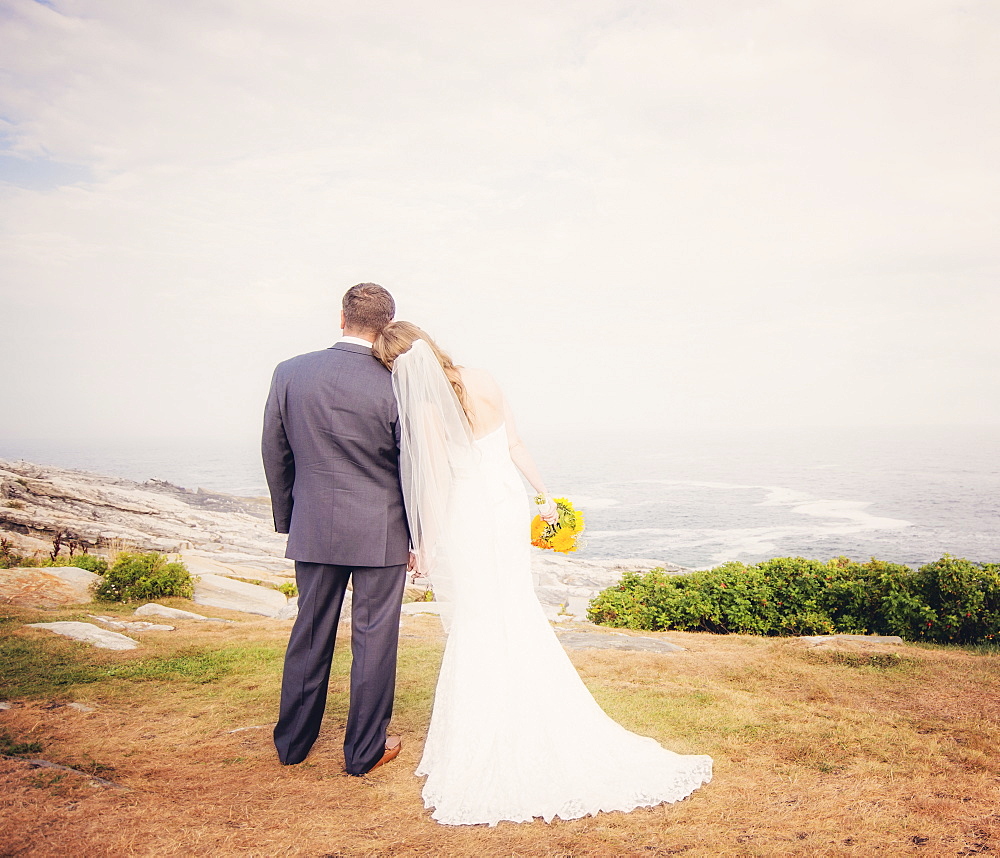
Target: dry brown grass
819, 752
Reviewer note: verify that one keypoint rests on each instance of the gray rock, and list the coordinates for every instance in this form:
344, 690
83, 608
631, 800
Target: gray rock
89, 633
291, 610
220, 535
5, 705
230, 565
46, 587
81, 707
565, 585
219, 592
73, 575
883, 639
617, 641
130, 625
577, 605
95, 509
154, 610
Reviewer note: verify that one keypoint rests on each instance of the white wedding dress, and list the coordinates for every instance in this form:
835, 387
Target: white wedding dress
514, 732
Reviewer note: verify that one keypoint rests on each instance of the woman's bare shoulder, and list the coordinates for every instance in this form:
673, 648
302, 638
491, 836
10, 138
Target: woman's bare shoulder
476, 378
485, 394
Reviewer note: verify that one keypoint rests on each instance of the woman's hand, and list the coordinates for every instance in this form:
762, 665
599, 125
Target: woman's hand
547, 508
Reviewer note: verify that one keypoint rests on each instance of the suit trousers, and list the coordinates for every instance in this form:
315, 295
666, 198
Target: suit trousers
377, 596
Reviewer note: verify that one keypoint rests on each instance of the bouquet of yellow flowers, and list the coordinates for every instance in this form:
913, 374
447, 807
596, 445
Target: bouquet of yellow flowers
561, 535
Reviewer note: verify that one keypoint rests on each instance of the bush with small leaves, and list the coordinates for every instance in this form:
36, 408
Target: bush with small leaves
137, 577
946, 601
91, 562
949, 601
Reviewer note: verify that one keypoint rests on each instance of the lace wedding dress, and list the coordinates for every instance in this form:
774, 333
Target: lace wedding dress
514, 732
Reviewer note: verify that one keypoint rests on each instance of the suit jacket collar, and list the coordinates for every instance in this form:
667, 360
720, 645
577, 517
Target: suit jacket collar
352, 347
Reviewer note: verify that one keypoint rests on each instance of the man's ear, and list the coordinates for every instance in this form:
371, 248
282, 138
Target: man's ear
343, 321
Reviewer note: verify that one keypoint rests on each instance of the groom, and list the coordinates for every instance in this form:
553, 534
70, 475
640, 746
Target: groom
331, 457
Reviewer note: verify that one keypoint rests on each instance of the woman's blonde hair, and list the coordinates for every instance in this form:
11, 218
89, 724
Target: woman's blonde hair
396, 338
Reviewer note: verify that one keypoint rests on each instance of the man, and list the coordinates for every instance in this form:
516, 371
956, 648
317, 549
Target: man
331, 457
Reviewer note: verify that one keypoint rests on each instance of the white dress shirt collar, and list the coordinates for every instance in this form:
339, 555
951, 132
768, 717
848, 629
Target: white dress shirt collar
356, 340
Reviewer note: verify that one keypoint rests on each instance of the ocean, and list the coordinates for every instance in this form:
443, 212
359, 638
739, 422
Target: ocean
694, 498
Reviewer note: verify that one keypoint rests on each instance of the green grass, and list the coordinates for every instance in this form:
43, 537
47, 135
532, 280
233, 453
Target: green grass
28, 669
880, 662
854, 751
45, 668
683, 719
199, 665
416, 676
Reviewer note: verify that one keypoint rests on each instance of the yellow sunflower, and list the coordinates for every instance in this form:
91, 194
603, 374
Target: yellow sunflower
537, 528
564, 540
562, 535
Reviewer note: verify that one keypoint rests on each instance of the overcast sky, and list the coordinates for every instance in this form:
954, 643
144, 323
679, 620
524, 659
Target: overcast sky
680, 211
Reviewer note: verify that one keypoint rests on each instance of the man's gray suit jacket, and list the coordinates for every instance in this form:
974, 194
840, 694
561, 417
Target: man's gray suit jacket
331, 457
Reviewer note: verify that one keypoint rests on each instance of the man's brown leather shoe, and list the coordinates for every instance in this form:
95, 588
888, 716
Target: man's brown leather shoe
393, 745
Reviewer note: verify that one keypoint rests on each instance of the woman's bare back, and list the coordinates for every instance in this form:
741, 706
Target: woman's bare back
485, 400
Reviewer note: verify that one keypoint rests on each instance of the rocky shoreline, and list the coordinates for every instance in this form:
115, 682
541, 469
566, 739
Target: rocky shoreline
217, 535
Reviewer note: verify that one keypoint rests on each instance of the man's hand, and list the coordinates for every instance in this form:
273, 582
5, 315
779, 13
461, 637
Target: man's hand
414, 567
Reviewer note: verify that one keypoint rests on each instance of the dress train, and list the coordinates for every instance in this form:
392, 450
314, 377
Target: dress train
515, 734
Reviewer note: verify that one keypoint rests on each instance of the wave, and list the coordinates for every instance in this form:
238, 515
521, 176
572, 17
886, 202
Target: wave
588, 503
830, 519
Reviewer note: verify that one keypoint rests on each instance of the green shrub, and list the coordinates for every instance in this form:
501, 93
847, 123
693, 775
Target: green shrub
137, 577
946, 601
288, 588
90, 562
949, 601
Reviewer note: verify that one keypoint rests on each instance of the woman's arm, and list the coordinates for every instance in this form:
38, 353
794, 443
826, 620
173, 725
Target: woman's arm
525, 463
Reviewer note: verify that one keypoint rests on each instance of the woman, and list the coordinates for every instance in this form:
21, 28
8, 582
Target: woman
514, 732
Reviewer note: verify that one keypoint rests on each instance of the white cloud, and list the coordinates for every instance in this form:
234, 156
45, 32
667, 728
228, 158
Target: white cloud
783, 212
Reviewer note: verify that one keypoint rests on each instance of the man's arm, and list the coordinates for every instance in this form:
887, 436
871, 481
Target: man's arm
279, 463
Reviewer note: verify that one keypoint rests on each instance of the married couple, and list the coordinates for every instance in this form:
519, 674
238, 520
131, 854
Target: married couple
379, 445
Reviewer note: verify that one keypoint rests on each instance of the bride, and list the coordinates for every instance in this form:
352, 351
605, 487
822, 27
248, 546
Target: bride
514, 732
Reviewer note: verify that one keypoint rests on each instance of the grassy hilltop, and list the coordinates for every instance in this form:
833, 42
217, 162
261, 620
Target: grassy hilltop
841, 749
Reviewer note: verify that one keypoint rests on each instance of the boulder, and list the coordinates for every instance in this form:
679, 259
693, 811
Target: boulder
91, 509
816, 640
565, 585
235, 566
217, 591
47, 587
153, 610
617, 641
88, 633
222, 536
131, 625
